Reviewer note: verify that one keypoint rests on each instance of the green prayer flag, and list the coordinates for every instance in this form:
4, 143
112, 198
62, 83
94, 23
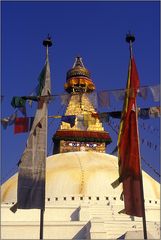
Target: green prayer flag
18, 102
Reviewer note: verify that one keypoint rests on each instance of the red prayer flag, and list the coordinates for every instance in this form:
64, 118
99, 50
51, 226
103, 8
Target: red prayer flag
21, 125
128, 148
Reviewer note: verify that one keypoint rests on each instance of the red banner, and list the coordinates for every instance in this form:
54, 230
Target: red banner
128, 148
21, 125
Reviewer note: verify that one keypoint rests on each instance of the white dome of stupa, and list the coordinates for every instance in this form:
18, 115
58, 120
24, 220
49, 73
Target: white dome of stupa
81, 174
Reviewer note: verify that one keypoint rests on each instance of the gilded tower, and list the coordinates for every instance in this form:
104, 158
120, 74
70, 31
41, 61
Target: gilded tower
86, 133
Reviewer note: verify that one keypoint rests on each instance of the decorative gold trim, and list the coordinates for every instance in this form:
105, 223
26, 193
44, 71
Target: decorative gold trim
79, 81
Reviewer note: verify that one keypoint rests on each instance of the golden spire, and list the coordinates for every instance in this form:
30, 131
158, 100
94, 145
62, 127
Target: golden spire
78, 78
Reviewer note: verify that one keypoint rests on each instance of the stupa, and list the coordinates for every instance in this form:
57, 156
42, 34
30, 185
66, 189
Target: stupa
80, 201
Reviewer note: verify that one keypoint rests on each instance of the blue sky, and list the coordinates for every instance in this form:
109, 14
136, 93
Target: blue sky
94, 30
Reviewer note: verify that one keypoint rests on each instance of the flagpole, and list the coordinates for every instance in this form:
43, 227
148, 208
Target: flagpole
130, 39
41, 223
47, 43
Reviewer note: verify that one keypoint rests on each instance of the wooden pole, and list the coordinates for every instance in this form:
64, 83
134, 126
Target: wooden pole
47, 43
141, 181
144, 217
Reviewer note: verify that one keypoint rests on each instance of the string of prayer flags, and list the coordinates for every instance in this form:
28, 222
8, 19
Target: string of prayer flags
39, 99
104, 96
143, 113
146, 113
100, 98
97, 98
21, 125
85, 119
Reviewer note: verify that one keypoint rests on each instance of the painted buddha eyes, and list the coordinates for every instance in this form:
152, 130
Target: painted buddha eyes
74, 144
91, 145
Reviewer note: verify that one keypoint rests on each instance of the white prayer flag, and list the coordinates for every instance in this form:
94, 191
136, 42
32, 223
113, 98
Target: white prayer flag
31, 177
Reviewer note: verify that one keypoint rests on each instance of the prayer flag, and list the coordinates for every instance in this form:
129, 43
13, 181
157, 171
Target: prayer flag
128, 148
155, 90
104, 117
9, 120
4, 122
31, 176
116, 114
144, 113
104, 99
18, 102
21, 125
154, 112
143, 92
119, 95
92, 98
69, 119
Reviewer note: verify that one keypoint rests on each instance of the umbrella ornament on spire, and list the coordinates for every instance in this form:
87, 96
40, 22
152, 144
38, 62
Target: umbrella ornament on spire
78, 78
